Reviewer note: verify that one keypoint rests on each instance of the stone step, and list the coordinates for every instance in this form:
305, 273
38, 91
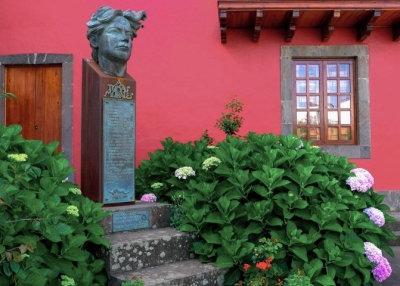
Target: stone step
183, 273
394, 225
141, 215
140, 249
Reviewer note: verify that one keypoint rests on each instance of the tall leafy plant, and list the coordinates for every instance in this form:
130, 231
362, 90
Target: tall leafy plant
48, 230
231, 121
280, 188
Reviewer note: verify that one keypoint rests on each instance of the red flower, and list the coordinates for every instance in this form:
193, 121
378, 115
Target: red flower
246, 266
263, 265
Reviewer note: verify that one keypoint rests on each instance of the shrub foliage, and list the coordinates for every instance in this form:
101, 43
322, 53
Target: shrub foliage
48, 230
277, 187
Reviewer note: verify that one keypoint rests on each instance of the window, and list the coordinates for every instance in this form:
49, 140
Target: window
355, 143
323, 101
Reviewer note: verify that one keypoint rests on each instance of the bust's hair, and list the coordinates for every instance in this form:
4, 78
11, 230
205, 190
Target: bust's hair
103, 16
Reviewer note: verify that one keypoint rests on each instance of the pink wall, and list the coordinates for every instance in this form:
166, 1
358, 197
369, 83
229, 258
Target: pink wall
185, 75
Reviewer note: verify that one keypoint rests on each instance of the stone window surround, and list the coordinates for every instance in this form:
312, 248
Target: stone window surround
361, 56
66, 61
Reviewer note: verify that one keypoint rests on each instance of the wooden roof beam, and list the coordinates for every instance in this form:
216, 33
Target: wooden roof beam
329, 27
223, 25
257, 25
365, 29
291, 26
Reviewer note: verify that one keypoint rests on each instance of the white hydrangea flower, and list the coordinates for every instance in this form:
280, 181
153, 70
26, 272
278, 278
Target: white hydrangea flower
184, 172
212, 161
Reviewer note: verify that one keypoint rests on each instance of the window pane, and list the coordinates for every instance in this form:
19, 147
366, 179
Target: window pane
345, 117
314, 102
301, 86
331, 70
344, 85
344, 70
333, 117
301, 117
300, 70
314, 86
313, 70
314, 117
345, 101
333, 133
302, 132
315, 133
345, 133
301, 101
331, 85
332, 101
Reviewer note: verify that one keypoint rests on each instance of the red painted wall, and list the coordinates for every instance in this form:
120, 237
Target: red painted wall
185, 75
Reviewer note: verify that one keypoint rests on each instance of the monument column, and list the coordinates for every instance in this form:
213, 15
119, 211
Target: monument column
108, 136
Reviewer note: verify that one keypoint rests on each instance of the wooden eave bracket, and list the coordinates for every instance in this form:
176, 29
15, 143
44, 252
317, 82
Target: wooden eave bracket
329, 27
257, 25
291, 26
365, 29
396, 32
223, 25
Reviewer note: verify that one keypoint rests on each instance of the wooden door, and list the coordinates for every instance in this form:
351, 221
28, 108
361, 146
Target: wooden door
38, 107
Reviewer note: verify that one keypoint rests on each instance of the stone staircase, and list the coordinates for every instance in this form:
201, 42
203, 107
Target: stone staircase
143, 245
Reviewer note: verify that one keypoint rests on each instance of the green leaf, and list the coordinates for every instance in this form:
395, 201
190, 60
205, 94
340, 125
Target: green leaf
75, 254
64, 229
325, 280
300, 252
214, 238
313, 268
215, 217
95, 229
188, 228
333, 227
253, 227
232, 276
14, 266
224, 261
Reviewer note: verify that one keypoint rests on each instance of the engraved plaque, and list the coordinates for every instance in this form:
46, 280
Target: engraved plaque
130, 220
118, 151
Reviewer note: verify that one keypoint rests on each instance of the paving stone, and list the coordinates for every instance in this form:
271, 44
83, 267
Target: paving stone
140, 249
184, 273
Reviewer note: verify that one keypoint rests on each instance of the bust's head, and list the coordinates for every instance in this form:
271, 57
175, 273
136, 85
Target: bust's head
110, 33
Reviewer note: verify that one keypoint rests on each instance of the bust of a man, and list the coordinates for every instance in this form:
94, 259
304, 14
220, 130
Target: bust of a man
110, 33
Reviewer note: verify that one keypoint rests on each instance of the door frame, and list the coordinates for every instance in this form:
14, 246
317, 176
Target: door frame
66, 60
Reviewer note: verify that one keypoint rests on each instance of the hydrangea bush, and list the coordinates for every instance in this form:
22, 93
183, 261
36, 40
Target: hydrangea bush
48, 230
319, 207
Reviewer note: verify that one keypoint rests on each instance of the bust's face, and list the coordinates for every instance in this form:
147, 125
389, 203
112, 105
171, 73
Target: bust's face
115, 42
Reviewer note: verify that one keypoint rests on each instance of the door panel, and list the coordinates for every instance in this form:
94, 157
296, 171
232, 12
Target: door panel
38, 107
21, 82
48, 103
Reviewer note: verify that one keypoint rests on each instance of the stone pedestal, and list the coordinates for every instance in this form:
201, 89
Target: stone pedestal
108, 136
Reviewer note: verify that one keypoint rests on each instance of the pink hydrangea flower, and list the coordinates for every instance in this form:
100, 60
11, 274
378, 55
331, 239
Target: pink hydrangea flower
376, 216
362, 182
151, 198
372, 252
382, 270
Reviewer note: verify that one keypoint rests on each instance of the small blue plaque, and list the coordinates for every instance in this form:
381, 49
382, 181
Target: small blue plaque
130, 220
118, 151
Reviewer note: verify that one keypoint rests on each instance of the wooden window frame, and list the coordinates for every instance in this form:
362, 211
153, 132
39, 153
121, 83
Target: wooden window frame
322, 93
360, 54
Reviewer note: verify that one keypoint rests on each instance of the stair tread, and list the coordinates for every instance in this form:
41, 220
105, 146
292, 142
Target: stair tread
144, 235
175, 272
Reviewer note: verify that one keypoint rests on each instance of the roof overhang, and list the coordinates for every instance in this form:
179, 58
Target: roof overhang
324, 14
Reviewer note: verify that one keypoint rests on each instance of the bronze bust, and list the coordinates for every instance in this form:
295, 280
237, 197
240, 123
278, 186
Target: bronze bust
110, 33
